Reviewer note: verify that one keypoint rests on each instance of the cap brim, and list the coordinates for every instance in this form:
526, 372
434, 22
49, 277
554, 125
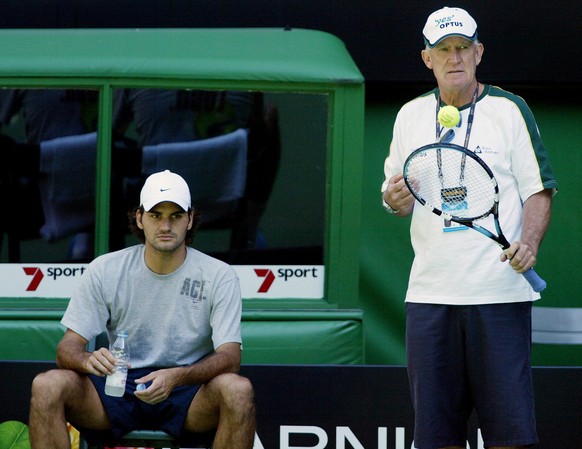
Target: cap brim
471, 38
149, 205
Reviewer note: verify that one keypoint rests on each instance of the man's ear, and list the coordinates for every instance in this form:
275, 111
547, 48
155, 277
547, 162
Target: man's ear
191, 219
479, 52
138, 219
425, 55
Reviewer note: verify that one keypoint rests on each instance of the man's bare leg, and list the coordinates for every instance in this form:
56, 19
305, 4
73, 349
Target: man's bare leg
226, 403
54, 393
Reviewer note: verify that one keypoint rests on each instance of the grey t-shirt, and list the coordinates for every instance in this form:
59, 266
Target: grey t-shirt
172, 320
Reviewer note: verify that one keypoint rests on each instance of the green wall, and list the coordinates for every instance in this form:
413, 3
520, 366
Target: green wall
386, 254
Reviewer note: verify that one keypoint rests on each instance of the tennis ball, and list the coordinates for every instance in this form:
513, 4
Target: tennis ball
449, 116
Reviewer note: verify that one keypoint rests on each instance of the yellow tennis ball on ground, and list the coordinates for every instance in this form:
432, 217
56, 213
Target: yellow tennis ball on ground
449, 116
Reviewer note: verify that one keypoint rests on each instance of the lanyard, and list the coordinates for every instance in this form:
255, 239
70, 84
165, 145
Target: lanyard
439, 128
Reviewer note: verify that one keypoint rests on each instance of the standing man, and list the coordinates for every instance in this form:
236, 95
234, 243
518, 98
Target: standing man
182, 311
468, 309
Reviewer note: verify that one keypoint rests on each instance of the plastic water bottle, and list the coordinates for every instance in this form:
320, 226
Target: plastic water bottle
115, 383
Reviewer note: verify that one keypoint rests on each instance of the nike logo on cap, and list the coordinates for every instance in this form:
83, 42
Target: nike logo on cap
164, 190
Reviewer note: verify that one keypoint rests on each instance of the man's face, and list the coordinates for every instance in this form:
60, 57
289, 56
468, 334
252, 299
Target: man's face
454, 62
165, 226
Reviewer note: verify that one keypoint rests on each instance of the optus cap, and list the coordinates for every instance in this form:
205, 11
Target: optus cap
448, 22
165, 186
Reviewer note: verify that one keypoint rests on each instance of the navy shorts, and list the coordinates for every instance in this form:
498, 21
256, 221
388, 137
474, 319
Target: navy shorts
462, 358
128, 413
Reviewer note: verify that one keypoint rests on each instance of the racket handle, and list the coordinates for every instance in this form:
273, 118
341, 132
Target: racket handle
536, 282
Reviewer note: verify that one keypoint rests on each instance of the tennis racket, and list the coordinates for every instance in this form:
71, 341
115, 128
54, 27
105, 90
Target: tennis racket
453, 182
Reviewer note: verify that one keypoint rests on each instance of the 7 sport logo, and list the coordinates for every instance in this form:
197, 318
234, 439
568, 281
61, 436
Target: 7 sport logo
37, 276
51, 272
285, 274
269, 278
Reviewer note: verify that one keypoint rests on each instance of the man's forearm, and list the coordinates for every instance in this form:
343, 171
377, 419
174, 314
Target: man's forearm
220, 362
536, 218
72, 355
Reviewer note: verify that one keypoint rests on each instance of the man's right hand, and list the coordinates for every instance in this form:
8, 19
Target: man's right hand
398, 196
72, 354
100, 362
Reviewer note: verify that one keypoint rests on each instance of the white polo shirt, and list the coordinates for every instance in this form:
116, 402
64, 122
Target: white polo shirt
463, 267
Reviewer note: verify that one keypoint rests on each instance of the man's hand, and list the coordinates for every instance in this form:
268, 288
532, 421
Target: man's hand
161, 384
520, 255
226, 359
72, 354
398, 196
100, 362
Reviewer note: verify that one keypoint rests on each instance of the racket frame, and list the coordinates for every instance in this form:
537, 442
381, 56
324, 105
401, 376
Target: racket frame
537, 283
466, 221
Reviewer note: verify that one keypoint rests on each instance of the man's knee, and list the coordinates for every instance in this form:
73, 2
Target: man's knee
46, 382
54, 385
240, 386
242, 397
236, 391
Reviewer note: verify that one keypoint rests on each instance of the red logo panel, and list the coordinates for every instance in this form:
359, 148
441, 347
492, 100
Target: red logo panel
269, 278
37, 276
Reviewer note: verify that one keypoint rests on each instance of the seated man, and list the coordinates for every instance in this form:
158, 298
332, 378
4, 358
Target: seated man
182, 312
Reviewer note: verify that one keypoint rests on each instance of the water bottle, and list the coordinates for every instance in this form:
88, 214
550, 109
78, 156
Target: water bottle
115, 383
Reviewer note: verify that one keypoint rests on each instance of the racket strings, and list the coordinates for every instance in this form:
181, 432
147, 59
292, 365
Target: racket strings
450, 181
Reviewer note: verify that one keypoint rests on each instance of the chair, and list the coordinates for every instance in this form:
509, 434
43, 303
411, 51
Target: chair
158, 439
53, 180
66, 180
215, 170
56, 181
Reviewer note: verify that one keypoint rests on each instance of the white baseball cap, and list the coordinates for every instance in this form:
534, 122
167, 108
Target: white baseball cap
448, 22
165, 186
